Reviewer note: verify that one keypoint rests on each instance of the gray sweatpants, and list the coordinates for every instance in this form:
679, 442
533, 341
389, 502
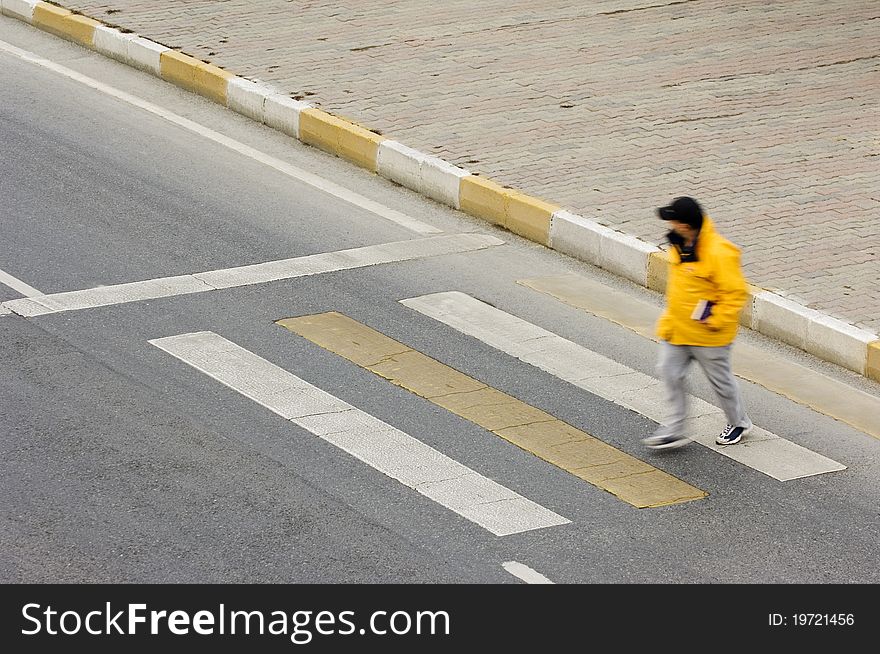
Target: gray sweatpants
715, 361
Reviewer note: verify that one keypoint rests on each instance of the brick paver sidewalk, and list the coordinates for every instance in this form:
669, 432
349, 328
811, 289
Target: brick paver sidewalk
768, 113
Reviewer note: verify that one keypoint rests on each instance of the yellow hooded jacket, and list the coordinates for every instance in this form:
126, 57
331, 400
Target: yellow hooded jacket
715, 276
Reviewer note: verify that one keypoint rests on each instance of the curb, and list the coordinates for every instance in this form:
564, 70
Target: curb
827, 338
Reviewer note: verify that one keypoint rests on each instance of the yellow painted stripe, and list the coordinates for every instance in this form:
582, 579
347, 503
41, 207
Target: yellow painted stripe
529, 217
64, 23
658, 269
178, 68
527, 427
483, 198
212, 82
872, 369
195, 75
600, 300
520, 213
340, 137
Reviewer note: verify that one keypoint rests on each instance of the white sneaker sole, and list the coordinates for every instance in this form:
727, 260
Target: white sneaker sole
670, 445
745, 432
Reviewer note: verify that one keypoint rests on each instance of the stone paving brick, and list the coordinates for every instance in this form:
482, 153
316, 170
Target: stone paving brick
769, 113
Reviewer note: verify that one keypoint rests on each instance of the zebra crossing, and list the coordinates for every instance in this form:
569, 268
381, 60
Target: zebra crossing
761, 450
381, 446
498, 509
630, 479
475, 497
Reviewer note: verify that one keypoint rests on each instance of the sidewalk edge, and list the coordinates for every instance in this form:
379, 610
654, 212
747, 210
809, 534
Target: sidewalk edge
773, 315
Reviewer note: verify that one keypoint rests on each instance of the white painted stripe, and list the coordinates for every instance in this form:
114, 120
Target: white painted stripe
260, 273
761, 450
113, 43
839, 342
146, 55
18, 285
107, 295
420, 172
616, 252
21, 9
442, 181
291, 171
282, 113
376, 443
814, 332
247, 97
525, 573
400, 163
782, 318
266, 104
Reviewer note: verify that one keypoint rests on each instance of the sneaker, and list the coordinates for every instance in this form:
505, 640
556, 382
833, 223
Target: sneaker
665, 441
731, 435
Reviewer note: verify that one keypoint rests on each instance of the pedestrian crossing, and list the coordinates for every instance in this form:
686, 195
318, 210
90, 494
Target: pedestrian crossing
468, 493
630, 479
428, 471
381, 446
761, 450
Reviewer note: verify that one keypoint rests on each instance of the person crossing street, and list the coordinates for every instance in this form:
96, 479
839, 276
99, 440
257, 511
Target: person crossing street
705, 293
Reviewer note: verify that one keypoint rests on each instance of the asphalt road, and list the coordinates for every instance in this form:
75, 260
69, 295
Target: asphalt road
121, 463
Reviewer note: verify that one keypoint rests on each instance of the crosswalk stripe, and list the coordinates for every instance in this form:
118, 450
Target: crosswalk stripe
525, 573
387, 449
531, 429
17, 285
761, 450
270, 271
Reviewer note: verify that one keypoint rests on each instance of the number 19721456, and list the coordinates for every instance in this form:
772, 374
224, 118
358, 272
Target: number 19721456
811, 619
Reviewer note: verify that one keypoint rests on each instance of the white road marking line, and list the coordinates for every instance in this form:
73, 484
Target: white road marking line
17, 285
525, 573
761, 450
313, 264
376, 443
291, 171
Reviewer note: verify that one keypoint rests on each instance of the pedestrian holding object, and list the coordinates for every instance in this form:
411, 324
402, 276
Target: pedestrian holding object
705, 293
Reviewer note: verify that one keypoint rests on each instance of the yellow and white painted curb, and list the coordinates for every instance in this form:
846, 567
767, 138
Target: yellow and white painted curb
769, 313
